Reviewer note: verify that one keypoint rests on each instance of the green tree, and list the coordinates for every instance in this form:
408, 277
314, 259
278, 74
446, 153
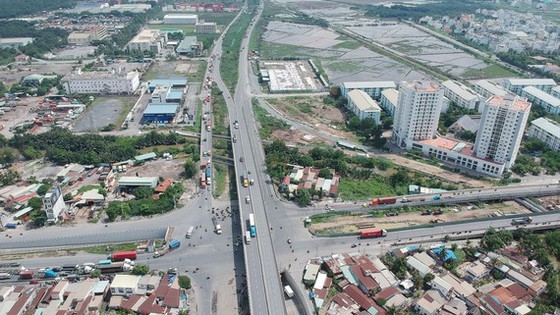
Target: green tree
140, 270
427, 280
185, 282
142, 192
43, 189
335, 91
190, 169
325, 173
303, 197
401, 177
8, 155
38, 217
96, 273
36, 203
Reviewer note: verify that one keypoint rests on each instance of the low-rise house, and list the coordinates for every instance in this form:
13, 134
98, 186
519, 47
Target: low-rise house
430, 303
124, 285
476, 271
465, 123
424, 258
342, 304
442, 286
415, 264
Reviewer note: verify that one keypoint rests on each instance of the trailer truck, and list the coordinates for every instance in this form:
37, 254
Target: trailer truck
383, 201
525, 220
120, 256
371, 233
252, 227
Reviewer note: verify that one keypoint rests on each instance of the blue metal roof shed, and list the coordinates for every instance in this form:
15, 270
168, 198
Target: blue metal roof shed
159, 113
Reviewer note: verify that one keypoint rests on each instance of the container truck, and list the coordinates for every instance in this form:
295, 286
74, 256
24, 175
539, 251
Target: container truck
26, 274
174, 244
252, 227
525, 220
383, 201
371, 233
114, 267
120, 256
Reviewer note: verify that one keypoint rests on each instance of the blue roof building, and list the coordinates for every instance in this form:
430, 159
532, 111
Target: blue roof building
449, 254
159, 113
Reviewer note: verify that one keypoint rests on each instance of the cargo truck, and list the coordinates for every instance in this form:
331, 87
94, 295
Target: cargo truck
289, 292
11, 225
252, 228
120, 256
174, 244
525, 220
190, 232
371, 233
247, 237
383, 201
4, 276
26, 274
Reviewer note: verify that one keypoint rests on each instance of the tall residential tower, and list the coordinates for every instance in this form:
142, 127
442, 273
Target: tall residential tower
501, 128
417, 112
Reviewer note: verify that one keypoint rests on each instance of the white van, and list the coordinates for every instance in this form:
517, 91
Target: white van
247, 237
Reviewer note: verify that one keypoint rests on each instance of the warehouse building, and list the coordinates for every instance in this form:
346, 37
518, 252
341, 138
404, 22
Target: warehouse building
372, 88
206, 28
148, 40
190, 46
101, 82
180, 19
363, 106
130, 182
175, 82
161, 113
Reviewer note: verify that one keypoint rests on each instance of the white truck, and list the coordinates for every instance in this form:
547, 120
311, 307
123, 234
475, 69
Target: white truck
190, 232
289, 292
247, 237
218, 229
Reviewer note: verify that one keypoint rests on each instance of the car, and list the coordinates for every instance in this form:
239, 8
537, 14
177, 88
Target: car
354, 246
241, 159
247, 199
158, 254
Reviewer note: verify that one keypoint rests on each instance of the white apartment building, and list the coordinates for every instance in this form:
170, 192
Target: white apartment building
101, 82
538, 97
501, 129
555, 91
517, 85
389, 100
486, 89
363, 106
206, 27
185, 19
53, 204
461, 95
546, 130
148, 40
372, 88
417, 113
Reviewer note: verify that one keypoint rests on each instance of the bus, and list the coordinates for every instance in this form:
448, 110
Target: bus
252, 225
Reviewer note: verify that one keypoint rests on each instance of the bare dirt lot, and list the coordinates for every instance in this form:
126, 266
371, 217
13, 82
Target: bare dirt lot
314, 112
348, 224
159, 167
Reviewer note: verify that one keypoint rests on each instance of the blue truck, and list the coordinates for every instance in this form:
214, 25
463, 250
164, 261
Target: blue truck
174, 244
208, 172
11, 225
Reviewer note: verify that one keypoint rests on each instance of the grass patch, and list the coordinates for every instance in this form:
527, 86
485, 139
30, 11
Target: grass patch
267, 123
230, 53
492, 71
326, 217
199, 76
219, 111
460, 254
353, 189
88, 188
198, 119
347, 45
221, 18
107, 249
220, 173
161, 148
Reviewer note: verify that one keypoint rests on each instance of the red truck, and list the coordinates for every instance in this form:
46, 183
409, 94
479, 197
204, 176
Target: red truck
371, 233
26, 274
383, 201
120, 256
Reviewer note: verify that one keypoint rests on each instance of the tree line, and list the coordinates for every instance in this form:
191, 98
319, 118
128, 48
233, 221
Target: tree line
12, 9
62, 146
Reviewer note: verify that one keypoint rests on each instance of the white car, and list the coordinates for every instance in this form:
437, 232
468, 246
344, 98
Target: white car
247, 199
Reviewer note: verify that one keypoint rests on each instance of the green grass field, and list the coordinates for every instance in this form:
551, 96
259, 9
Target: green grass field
492, 71
230, 55
220, 175
352, 189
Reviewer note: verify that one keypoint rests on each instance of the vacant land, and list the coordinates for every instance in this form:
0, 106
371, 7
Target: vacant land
350, 224
104, 111
193, 70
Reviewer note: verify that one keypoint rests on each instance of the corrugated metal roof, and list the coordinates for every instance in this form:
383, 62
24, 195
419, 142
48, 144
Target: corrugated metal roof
547, 125
152, 109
